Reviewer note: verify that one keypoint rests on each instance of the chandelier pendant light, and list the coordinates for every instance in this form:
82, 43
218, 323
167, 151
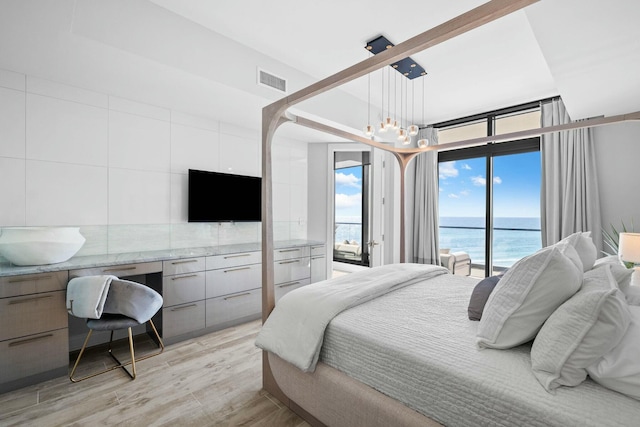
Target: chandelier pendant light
423, 142
413, 129
369, 130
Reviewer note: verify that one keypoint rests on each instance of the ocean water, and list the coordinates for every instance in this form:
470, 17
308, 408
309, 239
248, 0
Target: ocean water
513, 238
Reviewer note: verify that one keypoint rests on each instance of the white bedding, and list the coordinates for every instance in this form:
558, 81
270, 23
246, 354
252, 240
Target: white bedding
294, 330
417, 345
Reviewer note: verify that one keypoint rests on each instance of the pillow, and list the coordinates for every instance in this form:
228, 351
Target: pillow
526, 296
445, 251
621, 273
632, 294
480, 295
585, 247
619, 369
582, 330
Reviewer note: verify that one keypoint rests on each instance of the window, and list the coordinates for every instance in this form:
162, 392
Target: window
351, 212
490, 195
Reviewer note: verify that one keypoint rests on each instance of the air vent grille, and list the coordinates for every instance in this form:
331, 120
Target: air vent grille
270, 80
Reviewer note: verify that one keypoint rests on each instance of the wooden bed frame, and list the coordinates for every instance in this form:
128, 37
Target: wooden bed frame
328, 394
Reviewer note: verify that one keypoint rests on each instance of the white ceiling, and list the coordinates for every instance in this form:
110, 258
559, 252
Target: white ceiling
201, 56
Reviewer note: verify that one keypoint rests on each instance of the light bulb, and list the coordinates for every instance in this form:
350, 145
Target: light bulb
395, 125
406, 140
388, 123
422, 143
401, 134
382, 128
369, 130
413, 130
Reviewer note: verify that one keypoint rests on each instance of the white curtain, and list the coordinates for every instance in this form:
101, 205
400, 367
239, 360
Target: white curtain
422, 234
570, 201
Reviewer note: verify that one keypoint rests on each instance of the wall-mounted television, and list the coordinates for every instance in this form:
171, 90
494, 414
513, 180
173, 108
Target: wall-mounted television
216, 197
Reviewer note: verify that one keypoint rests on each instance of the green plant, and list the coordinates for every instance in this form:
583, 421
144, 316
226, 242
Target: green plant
612, 238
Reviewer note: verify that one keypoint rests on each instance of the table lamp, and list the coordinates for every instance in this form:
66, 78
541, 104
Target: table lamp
629, 253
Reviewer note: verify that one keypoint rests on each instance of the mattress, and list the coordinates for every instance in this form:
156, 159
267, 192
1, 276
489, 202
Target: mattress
417, 345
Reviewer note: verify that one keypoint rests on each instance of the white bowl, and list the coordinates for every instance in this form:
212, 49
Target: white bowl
40, 245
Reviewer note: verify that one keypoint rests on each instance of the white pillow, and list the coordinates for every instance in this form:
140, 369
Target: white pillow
632, 294
582, 330
585, 247
619, 369
526, 296
621, 273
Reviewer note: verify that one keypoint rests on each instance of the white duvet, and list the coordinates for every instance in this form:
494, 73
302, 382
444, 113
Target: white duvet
295, 328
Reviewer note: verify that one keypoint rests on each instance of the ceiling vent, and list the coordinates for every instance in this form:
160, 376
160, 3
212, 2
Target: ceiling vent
270, 80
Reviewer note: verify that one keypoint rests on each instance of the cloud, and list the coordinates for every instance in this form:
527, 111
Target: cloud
349, 180
466, 166
497, 180
348, 201
447, 170
453, 196
465, 192
479, 181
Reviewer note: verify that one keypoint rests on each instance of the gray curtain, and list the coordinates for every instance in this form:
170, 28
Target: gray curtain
570, 200
422, 238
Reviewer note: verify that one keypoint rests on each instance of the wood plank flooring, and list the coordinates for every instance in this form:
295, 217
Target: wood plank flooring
212, 380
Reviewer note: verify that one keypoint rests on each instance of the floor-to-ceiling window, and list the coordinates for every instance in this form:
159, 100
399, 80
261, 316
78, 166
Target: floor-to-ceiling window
351, 202
490, 195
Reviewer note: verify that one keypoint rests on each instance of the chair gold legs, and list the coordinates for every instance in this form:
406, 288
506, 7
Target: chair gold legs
131, 362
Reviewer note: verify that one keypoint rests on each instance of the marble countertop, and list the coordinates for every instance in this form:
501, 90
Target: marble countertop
7, 269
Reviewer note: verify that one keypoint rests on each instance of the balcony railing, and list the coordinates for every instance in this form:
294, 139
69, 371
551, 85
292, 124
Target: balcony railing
509, 244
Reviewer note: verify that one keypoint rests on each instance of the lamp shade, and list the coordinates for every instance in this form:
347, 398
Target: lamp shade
629, 247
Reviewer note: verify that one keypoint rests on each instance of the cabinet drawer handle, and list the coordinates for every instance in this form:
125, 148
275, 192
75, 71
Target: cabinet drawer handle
23, 300
29, 340
236, 256
237, 269
183, 307
28, 279
119, 269
282, 251
237, 296
187, 276
317, 257
184, 261
286, 285
289, 262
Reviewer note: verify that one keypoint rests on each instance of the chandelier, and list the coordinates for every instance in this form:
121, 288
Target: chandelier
408, 70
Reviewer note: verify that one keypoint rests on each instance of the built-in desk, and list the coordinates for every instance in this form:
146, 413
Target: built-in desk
204, 290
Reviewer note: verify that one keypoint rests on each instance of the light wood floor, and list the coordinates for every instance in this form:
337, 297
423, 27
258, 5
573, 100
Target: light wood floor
211, 380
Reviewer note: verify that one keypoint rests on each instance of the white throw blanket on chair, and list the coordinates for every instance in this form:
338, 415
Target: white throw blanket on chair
86, 295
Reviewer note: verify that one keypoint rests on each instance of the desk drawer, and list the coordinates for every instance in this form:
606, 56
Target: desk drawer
33, 283
290, 253
31, 314
119, 270
284, 288
182, 266
183, 288
233, 260
233, 280
33, 354
181, 319
291, 270
233, 307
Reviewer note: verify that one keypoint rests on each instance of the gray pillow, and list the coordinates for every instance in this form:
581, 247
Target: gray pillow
480, 295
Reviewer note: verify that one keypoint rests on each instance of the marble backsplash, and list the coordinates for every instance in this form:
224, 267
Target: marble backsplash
117, 239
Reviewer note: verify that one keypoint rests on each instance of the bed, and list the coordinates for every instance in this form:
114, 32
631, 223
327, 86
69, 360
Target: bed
410, 356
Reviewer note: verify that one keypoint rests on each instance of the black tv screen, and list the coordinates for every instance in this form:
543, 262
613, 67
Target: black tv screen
215, 197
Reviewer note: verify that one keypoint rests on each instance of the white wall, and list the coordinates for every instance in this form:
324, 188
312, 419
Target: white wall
118, 168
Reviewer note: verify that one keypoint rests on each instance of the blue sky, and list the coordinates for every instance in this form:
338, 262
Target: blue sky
516, 185
348, 200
